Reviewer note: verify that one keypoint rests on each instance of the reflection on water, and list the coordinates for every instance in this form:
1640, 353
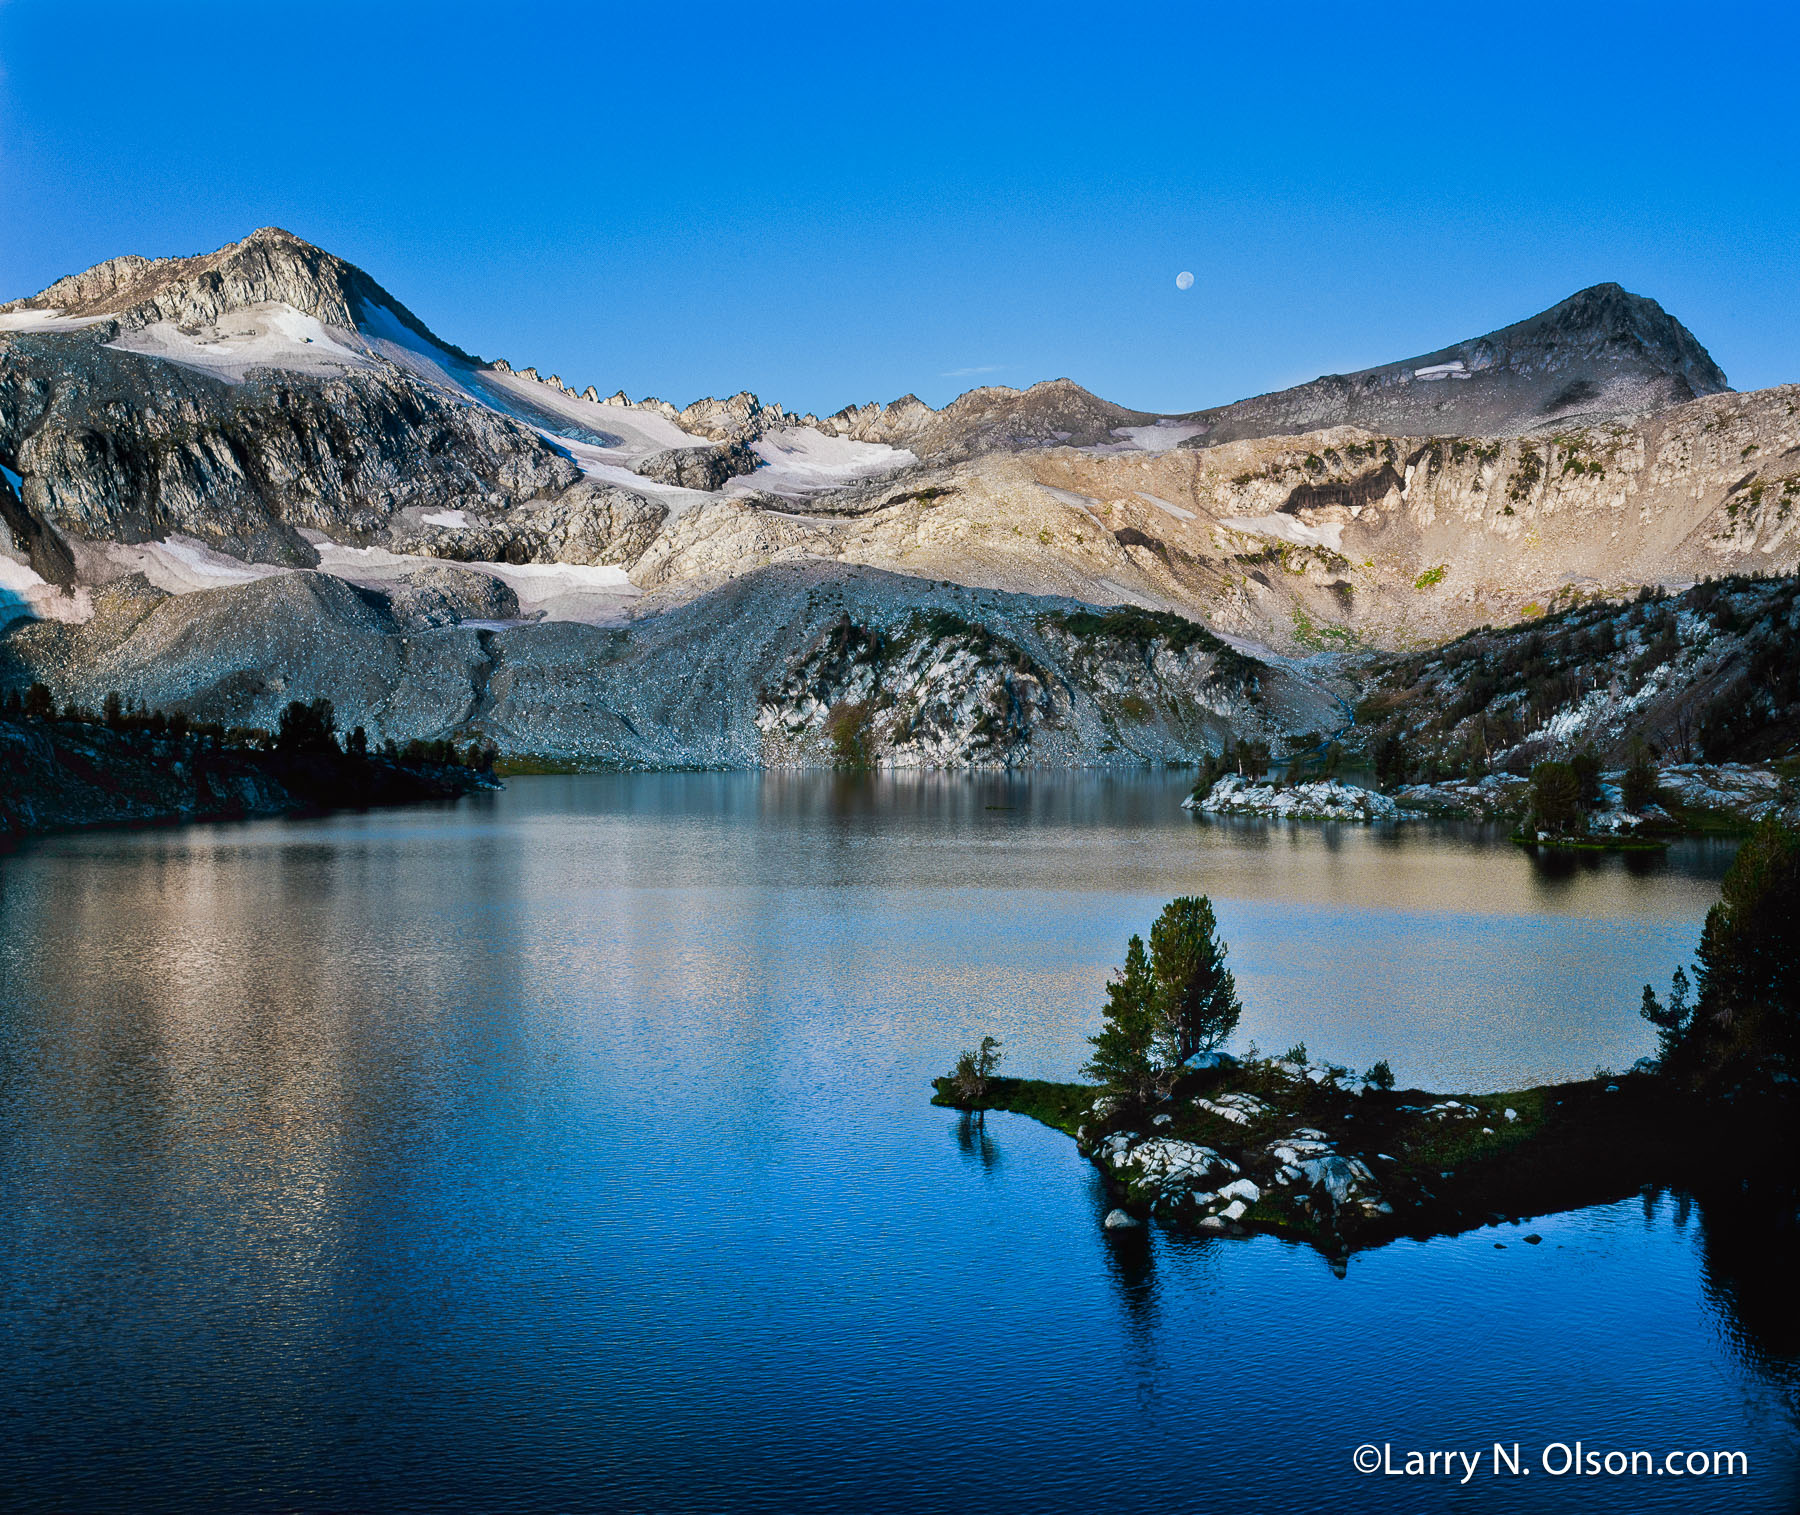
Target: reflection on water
571, 1149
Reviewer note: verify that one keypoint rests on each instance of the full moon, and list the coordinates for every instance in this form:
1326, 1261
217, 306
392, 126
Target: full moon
1184, 280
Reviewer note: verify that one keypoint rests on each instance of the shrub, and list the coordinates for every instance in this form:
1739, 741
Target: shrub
975, 1069
1380, 1076
1295, 1053
847, 727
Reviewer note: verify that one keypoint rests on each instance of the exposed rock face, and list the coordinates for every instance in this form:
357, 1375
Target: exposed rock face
1324, 800
1600, 354
117, 446
741, 418
705, 468
270, 266
431, 597
598, 524
942, 690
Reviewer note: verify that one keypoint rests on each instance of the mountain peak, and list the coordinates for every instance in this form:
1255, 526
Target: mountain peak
271, 266
1601, 353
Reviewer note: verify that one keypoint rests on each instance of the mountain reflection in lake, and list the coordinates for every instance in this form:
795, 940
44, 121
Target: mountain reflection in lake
570, 1149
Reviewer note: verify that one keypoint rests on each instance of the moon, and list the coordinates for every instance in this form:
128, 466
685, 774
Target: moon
1184, 280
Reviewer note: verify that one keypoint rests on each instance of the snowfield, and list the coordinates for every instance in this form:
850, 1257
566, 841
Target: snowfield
263, 336
800, 461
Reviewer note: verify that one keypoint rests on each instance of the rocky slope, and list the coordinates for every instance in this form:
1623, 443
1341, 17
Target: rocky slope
1711, 674
794, 665
230, 477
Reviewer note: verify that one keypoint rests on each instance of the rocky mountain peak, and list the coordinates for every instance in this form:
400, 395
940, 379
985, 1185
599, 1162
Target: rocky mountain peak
271, 266
1601, 354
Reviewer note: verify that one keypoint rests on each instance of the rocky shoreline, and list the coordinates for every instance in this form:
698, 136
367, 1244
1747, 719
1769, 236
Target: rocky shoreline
59, 776
1303, 1150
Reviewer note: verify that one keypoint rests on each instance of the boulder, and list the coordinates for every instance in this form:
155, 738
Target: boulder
1119, 1220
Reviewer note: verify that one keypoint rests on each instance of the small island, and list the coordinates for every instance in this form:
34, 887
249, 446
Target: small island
1195, 1139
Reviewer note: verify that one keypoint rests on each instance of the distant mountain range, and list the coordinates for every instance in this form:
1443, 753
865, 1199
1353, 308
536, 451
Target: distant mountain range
230, 478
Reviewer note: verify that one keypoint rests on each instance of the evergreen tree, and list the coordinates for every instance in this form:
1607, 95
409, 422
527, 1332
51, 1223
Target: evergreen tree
1638, 787
1555, 799
1196, 999
1586, 767
1746, 1010
1122, 1050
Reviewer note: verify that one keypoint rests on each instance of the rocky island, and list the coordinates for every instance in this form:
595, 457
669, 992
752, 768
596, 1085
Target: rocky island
1198, 1140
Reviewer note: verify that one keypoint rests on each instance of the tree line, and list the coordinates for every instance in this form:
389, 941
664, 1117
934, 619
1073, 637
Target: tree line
304, 726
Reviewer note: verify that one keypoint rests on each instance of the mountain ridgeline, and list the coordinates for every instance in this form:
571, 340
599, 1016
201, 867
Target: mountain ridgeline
231, 480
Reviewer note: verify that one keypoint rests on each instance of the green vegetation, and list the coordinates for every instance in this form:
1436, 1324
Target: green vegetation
1741, 1030
847, 729
303, 728
1323, 637
1165, 1006
1392, 1162
1431, 577
975, 1070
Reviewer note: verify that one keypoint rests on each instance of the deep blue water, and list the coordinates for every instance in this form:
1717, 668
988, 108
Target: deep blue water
570, 1150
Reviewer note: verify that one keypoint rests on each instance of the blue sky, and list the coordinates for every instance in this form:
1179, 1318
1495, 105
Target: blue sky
845, 203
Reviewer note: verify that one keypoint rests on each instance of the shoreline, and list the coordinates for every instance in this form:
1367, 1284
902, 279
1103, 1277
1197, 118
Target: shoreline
62, 777
1295, 1150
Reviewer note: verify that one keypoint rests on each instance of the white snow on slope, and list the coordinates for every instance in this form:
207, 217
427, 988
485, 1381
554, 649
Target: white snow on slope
593, 595
800, 461
181, 565
1160, 437
23, 592
1289, 530
262, 336
44, 320
624, 431
1085, 503
1164, 505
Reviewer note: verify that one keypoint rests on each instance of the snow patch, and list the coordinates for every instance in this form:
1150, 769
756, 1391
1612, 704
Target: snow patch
25, 595
44, 320
456, 518
591, 594
1166, 507
1160, 437
801, 460
261, 336
1288, 529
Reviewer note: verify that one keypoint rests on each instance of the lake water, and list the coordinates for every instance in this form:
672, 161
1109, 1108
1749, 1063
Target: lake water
570, 1150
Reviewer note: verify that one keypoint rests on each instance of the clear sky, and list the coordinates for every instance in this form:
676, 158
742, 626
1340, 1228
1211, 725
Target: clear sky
837, 204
